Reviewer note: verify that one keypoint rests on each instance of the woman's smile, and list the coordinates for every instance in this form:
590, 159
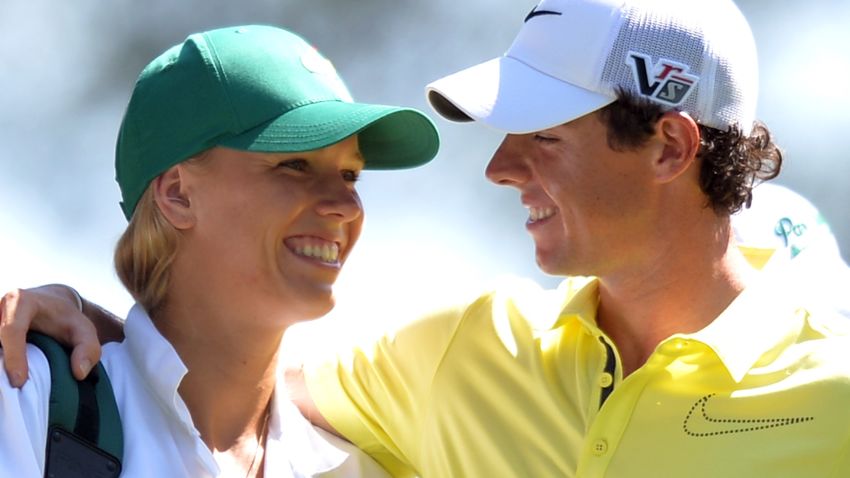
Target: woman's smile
315, 249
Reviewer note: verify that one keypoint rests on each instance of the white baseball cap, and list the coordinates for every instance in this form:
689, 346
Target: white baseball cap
782, 220
571, 56
785, 233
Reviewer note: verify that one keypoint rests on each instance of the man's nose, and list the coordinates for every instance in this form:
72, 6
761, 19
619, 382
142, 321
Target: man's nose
507, 167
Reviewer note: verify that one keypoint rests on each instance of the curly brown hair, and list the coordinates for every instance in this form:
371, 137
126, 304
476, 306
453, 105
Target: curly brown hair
731, 163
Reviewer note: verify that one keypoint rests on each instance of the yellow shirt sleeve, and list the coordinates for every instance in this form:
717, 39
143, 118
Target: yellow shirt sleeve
377, 396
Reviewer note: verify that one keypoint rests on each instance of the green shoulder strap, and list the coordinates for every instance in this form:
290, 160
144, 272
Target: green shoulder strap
80, 409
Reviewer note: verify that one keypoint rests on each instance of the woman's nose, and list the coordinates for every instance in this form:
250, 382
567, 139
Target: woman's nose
340, 199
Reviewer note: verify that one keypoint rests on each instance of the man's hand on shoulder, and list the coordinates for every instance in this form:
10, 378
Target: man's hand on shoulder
54, 310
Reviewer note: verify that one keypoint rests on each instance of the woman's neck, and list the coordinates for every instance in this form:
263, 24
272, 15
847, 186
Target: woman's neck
231, 354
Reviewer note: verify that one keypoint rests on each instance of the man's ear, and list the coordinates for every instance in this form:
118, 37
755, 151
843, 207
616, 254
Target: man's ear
679, 134
170, 194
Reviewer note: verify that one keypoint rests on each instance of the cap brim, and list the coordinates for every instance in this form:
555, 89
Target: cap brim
511, 97
389, 137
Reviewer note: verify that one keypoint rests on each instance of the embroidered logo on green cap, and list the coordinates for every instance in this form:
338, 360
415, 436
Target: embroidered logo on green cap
316, 63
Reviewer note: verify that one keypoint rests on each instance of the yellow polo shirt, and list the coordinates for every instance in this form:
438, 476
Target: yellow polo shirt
497, 388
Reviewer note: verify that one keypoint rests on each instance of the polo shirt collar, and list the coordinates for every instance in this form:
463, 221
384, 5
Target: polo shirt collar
162, 370
158, 363
582, 302
762, 317
293, 443
575, 297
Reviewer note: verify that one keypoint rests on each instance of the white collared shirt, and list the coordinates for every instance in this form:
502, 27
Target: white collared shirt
160, 439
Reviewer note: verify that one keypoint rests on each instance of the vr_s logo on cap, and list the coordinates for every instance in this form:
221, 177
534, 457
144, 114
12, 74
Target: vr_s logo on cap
666, 81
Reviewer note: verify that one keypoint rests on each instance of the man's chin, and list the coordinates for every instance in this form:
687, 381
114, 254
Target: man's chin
558, 266
547, 265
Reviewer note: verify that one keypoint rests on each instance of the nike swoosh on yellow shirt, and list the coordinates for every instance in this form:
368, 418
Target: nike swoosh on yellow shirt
698, 423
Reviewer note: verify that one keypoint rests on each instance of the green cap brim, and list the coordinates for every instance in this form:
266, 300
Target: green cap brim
389, 137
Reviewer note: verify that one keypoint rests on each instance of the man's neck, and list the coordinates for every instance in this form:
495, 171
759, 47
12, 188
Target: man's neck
682, 289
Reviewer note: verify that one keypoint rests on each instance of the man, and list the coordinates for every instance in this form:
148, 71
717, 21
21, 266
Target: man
630, 137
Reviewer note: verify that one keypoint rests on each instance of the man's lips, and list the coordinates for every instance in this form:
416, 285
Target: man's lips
536, 214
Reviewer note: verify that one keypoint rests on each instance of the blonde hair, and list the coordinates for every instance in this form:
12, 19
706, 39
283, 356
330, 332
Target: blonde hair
144, 254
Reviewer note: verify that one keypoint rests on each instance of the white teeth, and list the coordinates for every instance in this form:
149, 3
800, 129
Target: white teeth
539, 213
325, 252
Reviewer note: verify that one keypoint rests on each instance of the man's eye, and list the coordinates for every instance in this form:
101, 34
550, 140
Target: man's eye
545, 139
296, 164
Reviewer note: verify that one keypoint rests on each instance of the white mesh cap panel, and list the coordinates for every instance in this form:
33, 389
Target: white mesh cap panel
659, 39
736, 78
698, 35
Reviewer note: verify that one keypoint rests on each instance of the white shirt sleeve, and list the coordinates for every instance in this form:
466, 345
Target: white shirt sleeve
357, 465
23, 419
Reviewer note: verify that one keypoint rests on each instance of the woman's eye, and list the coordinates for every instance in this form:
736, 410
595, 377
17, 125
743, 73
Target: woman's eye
350, 175
296, 164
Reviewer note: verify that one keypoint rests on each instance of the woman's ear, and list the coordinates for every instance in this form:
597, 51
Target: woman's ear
170, 194
680, 135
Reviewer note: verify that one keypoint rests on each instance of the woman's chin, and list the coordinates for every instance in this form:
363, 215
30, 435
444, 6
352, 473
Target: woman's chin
316, 308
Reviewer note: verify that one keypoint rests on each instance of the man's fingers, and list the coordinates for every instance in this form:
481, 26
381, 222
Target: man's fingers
22, 310
86, 353
15, 319
72, 329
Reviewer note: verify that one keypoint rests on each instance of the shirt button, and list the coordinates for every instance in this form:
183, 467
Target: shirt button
600, 447
605, 380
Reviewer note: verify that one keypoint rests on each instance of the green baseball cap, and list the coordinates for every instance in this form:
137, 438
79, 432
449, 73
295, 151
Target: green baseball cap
254, 88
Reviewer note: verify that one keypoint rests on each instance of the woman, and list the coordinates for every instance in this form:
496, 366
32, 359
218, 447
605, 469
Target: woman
237, 159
